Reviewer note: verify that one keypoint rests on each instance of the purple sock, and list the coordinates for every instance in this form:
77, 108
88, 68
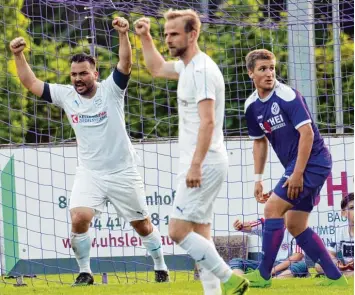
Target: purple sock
313, 246
272, 238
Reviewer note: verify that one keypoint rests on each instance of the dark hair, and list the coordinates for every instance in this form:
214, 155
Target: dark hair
258, 54
190, 25
346, 200
82, 57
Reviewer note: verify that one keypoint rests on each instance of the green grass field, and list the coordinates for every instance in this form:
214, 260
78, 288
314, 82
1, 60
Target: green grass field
182, 283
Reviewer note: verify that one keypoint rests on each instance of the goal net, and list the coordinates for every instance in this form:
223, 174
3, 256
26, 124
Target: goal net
38, 154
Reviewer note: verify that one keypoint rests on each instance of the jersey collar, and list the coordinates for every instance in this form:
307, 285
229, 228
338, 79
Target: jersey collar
277, 83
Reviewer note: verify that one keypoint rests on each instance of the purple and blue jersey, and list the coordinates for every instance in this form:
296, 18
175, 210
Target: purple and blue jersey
278, 117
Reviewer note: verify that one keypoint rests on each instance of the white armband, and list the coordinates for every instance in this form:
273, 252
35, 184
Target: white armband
258, 177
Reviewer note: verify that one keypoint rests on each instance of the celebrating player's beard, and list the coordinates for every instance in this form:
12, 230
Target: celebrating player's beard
177, 52
83, 88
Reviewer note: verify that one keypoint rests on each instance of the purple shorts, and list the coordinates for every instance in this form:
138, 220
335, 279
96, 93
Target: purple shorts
306, 200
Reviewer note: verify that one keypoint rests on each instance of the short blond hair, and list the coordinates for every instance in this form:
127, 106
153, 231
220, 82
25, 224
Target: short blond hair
191, 18
258, 54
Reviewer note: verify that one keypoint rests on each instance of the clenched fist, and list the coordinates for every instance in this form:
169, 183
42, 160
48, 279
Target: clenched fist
120, 24
17, 45
142, 26
238, 225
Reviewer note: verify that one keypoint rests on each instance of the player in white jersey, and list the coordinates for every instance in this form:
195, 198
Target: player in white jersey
203, 157
107, 168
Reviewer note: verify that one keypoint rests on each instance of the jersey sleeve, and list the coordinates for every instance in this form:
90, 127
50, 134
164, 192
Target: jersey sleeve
254, 130
297, 111
58, 93
178, 66
206, 84
116, 84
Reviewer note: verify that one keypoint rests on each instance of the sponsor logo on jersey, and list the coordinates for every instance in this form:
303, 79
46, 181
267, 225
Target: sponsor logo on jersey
275, 109
75, 103
272, 124
97, 102
260, 117
89, 119
75, 118
183, 102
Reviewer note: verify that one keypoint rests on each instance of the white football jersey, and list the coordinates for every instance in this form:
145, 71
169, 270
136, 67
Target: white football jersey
343, 244
199, 80
99, 125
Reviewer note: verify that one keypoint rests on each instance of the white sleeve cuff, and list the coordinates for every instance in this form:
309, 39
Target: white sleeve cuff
178, 66
256, 137
199, 99
303, 123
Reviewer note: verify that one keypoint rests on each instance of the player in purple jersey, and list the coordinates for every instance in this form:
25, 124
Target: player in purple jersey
277, 113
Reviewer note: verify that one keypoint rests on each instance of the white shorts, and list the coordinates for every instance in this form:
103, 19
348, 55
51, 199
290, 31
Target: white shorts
196, 204
124, 189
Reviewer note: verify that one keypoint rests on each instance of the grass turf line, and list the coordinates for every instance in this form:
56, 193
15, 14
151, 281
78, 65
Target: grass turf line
182, 283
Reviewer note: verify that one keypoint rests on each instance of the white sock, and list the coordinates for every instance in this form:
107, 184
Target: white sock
153, 244
213, 283
81, 245
210, 283
206, 255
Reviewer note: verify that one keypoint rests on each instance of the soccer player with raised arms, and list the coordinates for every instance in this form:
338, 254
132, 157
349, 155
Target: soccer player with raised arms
278, 114
203, 157
107, 168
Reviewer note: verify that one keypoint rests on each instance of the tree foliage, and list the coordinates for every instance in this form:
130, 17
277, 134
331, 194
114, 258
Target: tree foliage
13, 102
151, 104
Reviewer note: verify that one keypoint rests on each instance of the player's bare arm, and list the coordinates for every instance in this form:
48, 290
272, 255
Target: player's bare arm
260, 150
204, 138
25, 74
295, 182
154, 61
124, 65
239, 225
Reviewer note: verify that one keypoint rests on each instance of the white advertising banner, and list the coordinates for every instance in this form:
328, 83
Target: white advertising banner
41, 180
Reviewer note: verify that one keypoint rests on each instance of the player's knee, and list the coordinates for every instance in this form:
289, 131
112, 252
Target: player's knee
80, 227
81, 220
175, 233
276, 207
294, 228
270, 212
142, 227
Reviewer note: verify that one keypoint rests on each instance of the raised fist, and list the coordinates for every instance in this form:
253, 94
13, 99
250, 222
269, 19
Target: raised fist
238, 225
17, 45
142, 26
120, 24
